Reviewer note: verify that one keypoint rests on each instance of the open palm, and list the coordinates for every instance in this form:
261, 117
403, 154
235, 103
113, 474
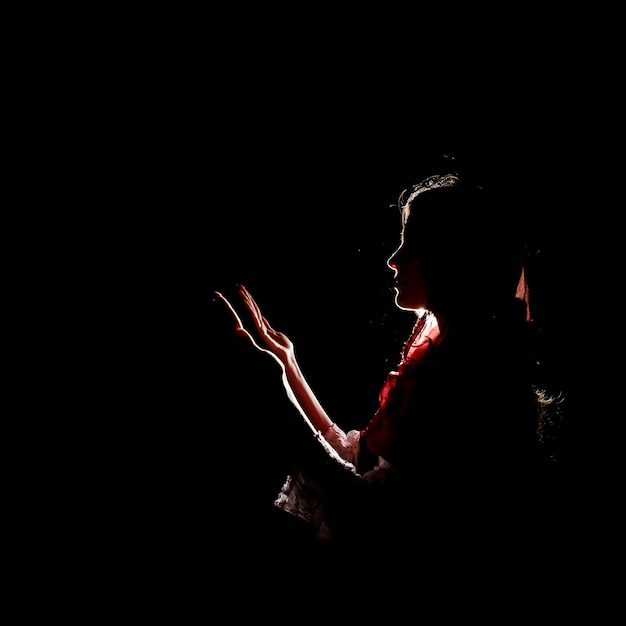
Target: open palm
275, 342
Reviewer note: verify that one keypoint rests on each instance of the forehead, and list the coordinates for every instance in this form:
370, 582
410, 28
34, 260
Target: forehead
415, 229
419, 209
437, 221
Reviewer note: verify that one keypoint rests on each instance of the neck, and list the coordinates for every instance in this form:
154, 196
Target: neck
425, 332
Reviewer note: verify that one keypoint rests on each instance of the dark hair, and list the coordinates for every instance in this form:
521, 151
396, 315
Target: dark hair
473, 251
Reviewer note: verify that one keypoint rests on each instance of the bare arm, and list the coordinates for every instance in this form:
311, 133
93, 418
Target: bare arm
280, 347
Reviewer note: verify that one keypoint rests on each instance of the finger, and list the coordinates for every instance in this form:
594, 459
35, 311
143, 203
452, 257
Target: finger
254, 309
249, 300
269, 327
239, 328
262, 323
229, 306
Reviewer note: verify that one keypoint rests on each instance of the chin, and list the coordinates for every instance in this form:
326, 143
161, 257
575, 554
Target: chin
408, 305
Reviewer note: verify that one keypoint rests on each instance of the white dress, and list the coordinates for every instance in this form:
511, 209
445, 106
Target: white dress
303, 495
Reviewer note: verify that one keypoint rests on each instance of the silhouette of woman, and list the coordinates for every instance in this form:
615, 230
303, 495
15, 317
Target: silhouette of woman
451, 463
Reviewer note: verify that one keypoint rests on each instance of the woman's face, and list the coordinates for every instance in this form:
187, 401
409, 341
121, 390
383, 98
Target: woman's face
410, 283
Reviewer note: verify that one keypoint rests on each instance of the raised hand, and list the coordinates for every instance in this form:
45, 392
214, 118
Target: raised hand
276, 342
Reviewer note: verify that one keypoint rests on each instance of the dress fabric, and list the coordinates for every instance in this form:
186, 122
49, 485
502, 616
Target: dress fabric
304, 495
452, 442
311, 488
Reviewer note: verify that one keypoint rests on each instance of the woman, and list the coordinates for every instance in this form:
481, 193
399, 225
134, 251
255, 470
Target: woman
453, 451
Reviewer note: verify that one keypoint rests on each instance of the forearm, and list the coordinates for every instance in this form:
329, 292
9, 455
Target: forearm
280, 348
302, 395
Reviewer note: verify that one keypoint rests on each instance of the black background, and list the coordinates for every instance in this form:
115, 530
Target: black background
298, 211
276, 169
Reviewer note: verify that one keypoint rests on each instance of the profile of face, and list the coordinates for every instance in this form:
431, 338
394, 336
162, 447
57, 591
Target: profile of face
454, 254
431, 263
409, 278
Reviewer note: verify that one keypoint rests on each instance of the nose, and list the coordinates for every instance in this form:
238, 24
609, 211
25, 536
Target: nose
394, 260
